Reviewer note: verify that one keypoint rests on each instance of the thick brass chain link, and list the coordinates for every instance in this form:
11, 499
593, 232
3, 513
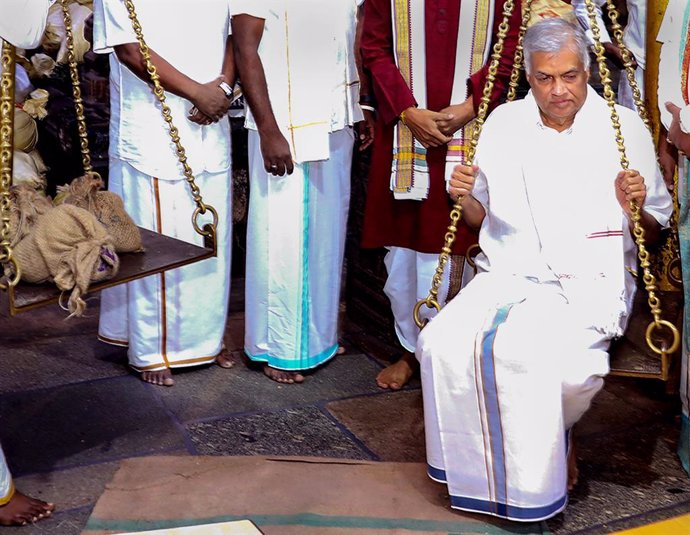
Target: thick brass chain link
6, 151
628, 63
519, 57
209, 229
638, 231
431, 300
76, 89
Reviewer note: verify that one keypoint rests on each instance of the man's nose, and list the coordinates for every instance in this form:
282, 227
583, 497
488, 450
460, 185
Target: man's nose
558, 87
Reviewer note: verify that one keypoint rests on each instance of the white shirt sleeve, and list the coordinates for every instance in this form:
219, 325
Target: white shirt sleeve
22, 22
111, 26
642, 155
255, 8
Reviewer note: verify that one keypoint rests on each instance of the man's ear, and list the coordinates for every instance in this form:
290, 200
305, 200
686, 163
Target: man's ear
588, 72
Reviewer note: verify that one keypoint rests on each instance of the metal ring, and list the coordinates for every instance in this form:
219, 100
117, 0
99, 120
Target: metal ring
674, 268
200, 210
11, 283
674, 331
430, 302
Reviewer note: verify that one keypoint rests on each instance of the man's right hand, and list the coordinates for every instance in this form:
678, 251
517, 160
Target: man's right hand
615, 54
462, 181
276, 152
424, 126
210, 99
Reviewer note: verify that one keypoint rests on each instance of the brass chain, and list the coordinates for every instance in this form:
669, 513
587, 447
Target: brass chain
159, 92
76, 89
431, 301
628, 64
519, 58
638, 231
6, 151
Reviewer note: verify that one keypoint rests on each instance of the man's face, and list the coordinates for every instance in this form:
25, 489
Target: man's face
559, 85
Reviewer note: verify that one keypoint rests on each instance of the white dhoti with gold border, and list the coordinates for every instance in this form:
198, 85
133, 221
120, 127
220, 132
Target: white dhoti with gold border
177, 318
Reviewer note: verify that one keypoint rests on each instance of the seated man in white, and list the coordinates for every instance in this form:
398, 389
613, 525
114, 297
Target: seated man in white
515, 359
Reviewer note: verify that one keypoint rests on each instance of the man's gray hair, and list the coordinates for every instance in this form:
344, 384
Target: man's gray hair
552, 35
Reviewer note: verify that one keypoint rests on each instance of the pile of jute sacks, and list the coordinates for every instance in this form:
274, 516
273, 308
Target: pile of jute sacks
72, 241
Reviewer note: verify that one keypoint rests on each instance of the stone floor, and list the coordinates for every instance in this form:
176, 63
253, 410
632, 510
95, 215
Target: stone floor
70, 410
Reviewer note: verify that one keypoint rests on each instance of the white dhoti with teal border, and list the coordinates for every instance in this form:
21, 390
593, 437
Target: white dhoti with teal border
295, 246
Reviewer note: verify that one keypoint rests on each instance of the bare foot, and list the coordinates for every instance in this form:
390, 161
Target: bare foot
282, 376
398, 374
340, 351
573, 471
21, 510
159, 377
224, 359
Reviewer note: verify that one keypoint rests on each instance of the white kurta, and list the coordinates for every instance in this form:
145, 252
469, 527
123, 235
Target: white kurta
177, 318
296, 224
634, 38
22, 23
514, 360
674, 38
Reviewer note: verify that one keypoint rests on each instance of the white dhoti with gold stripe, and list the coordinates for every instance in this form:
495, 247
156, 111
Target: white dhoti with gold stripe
6, 485
295, 247
177, 318
507, 368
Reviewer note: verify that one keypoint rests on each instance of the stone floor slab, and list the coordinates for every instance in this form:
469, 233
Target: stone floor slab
214, 392
625, 474
304, 432
391, 425
83, 424
61, 360
69, 522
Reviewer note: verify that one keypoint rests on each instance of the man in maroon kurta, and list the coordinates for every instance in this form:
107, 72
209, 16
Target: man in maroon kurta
414, 230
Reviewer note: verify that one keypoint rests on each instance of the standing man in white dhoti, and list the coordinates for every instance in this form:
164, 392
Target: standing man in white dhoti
634, 38
297, 65
674, 105
174, 319
22, 23
513, 362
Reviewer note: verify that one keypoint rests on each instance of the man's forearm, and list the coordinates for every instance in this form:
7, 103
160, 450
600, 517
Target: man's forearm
253, 78
473, 212
229, 71
171, 79
247, 33
652, 228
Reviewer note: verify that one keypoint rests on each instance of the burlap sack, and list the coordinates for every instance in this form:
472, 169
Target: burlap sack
108, 208
25, 131
26, 205
71, 248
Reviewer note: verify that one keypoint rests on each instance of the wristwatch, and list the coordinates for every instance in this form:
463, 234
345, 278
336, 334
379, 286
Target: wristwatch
226, 89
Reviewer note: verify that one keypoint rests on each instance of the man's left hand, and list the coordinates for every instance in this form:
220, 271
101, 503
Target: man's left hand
630, 186
365, 130
461, 115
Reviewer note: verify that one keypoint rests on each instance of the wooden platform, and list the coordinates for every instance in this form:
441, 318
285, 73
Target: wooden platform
630, 356
161, 253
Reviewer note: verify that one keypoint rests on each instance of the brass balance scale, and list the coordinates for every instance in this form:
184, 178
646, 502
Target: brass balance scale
162, 253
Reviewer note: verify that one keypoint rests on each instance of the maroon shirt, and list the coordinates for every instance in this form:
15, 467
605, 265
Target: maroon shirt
419, 225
